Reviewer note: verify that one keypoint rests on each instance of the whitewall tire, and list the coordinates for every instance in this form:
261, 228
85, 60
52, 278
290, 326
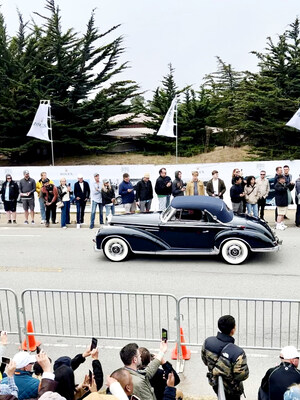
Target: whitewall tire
234, 251
116, 249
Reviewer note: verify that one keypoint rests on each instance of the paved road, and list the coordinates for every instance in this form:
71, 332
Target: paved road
65, 259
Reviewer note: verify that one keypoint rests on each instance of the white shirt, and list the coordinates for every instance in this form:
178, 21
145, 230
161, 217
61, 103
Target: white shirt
215, 183
82, 186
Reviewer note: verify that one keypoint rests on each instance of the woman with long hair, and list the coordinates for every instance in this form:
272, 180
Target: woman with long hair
108, 197
251, 196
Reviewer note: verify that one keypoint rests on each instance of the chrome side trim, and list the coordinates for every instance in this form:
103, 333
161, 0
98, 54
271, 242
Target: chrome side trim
180, 252
266, 249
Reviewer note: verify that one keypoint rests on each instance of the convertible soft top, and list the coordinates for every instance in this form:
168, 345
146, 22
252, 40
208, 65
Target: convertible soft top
215, 206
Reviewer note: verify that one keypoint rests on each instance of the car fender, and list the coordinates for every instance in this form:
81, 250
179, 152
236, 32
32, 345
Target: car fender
137, 239
254, 240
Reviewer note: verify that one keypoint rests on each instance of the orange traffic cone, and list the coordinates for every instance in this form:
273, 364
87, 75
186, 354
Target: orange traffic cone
33, 344
186, 353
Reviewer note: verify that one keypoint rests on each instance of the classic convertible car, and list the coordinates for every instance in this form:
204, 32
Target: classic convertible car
198, 225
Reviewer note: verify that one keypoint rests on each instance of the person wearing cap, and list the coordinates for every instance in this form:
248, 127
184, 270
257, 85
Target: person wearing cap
144, 193
96, 198
38, 188
278, 379
27, 189
10, 193
281, 200
263, 186
215, 187
178, 187
108, 197
26, 384
82, 194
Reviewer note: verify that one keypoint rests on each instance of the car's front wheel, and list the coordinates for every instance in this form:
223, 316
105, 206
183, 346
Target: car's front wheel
116, 249
234, 251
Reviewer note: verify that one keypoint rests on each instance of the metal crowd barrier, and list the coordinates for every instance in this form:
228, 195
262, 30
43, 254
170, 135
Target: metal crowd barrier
106, 315
261, 323
9, 313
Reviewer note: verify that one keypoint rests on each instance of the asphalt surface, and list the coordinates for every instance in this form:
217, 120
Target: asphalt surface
53, 258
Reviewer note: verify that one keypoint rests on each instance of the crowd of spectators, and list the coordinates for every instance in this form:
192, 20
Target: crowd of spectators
247, 194
141, 376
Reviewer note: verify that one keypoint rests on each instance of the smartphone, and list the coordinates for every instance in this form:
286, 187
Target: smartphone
5, 360
94, 343
90, 377
164, 335
38, 350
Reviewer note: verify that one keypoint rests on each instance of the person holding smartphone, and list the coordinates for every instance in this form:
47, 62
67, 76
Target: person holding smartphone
131, 359
10, 388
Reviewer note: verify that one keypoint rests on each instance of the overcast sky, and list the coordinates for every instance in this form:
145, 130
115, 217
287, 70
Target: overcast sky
189, 33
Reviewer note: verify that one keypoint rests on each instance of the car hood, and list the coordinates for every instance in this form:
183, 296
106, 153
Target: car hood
253, 223
141, 219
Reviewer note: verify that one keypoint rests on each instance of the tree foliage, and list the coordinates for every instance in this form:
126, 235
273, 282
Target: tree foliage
77, 73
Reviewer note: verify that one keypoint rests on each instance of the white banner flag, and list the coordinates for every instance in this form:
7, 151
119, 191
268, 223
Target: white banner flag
167, 126
39, 128
294, 122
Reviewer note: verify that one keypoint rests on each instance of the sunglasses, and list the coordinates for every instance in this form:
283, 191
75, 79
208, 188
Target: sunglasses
263, 174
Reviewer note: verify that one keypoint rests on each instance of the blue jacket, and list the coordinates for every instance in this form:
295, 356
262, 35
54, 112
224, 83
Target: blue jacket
27, 385
127, 197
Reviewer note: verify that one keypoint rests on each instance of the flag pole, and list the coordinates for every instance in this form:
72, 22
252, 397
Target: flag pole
50, 127
176, 132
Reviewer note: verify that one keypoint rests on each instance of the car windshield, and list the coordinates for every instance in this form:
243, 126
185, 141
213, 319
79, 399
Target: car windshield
167, 213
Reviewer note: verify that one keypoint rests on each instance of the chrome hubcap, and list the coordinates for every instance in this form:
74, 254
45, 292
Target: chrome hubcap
116, 249
234, 251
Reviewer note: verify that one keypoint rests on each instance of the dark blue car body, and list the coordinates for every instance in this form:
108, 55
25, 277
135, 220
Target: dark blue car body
198, 225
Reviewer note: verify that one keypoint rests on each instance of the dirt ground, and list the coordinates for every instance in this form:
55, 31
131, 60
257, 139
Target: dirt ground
220, 154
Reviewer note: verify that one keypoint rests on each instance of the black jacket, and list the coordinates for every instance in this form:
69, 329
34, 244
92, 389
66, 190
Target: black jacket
235, 192
177, 185
85, 194
224, 358
160, 186
13, 191
278, 379
107, 196
144, 190
281, 195
159, 380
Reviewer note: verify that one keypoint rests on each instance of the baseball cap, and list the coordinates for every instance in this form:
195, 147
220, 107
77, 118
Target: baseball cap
146, 175
23, 358
96, 174
79, 176
25, 172
105, 180
289, 352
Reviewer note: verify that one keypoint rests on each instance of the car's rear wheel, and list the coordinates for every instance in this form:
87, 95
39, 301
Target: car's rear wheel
116, 249
234, 251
